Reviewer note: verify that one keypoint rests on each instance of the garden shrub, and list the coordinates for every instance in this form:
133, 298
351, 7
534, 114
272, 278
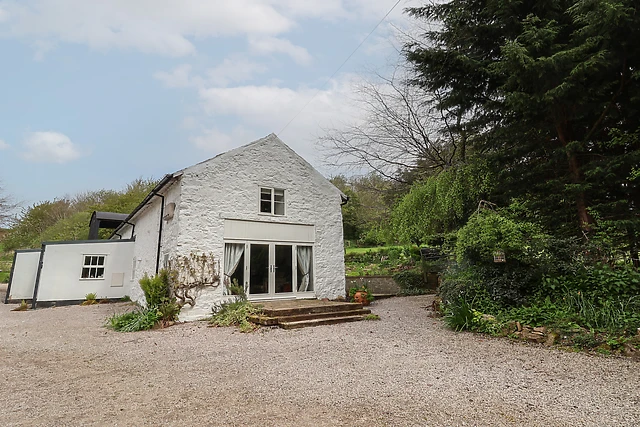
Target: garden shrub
411, 281
157, 289
141, 319
161, 307
235, 313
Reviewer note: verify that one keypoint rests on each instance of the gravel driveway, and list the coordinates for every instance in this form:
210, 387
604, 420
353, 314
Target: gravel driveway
60, 366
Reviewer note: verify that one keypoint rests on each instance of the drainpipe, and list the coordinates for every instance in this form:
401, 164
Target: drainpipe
160, 231
133, 228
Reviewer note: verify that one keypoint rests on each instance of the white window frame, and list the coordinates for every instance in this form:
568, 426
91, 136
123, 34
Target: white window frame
95, 266
272, 191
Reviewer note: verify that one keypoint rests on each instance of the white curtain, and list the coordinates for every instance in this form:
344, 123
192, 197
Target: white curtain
304, 265
232, 254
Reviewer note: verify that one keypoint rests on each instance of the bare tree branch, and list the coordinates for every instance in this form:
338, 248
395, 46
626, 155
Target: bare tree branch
402, 130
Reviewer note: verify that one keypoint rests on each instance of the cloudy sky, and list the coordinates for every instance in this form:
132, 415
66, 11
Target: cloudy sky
94, 94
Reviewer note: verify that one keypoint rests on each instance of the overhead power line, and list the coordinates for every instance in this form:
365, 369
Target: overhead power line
340, 67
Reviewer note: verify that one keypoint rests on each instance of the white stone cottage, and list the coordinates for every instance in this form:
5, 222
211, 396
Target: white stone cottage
270, 219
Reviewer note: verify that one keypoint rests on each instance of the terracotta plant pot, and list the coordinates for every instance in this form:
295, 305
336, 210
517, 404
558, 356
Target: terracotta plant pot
361, 297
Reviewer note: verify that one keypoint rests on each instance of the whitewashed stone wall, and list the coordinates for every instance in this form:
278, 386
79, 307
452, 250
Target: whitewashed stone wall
147, 223
228, 186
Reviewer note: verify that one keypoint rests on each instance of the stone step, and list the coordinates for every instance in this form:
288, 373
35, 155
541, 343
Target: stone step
301, 310
271, 321
319, 322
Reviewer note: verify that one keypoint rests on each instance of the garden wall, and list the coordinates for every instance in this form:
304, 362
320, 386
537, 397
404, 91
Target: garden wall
376, 284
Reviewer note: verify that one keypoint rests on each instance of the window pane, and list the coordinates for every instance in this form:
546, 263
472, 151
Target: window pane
265, 206
279, 208
85, 273
278, 195
87, 260
94, 260
265, 194
92, 273
100, 272
100, 260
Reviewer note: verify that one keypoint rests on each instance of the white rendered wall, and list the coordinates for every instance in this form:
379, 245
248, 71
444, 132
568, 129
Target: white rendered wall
62, 267
147, 223
228, 186
23, 279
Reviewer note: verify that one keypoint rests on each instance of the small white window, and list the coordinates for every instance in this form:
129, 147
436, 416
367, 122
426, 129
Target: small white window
93, 267
272, 201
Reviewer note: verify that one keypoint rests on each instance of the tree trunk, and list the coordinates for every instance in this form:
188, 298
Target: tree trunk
575, 173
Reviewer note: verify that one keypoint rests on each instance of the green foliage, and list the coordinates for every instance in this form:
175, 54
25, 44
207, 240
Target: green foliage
585, 340
157, 289
547, 93
462, 315
168, 312
487, 232
371, 316
22, 307
138, 320
90, 299
441, 203
410, 281
380, 261
236, 289
161, 307
68, 218
365, 216
361, 287
235, 313
543, 313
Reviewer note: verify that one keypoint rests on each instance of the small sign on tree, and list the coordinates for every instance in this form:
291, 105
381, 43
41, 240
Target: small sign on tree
499, 256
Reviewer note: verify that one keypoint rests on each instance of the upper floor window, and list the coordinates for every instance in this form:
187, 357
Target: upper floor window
93, 267
272, 201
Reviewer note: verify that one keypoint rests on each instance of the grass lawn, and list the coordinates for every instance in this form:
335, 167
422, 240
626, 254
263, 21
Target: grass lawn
354, 250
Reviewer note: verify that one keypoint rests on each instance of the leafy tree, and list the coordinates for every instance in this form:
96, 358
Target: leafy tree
442, 203
68, 218
549, 90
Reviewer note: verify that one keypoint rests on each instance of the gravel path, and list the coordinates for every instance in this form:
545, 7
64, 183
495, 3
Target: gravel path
60, 366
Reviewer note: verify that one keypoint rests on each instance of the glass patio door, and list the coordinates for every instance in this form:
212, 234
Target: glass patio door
271, 269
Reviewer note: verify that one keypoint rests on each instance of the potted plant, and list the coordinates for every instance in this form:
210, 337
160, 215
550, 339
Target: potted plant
360, 294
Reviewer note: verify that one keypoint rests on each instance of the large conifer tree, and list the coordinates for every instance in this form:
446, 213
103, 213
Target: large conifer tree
550, 91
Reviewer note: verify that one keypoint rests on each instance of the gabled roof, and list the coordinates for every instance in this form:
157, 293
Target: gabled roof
220, 158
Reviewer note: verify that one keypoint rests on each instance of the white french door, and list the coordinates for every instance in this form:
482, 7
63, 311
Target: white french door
272, 270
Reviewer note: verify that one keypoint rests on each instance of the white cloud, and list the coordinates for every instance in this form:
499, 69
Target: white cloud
180, 76
234, 69
216, 141
169, 27
4, 145
262, 109
268, 45
152, 26
49, 147
189, 123
4, 15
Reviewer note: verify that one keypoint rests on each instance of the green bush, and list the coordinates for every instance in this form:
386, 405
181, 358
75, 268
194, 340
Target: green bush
168, 311
139, 320
541, 314
410, 280
235, 313
463, 315
161, 306
157, 289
